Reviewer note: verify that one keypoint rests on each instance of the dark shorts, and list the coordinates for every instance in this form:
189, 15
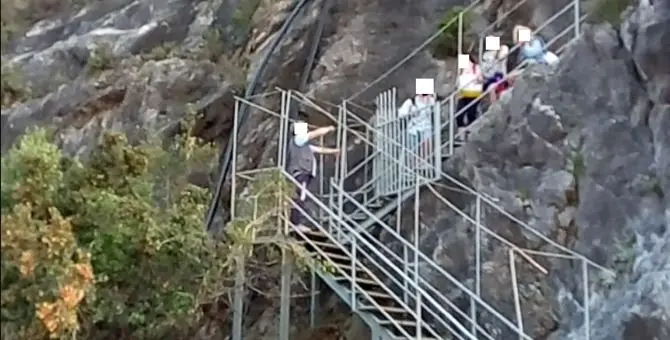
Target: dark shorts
497, 77
303, 178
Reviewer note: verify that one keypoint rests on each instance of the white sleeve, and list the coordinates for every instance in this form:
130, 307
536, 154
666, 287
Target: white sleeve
405, 109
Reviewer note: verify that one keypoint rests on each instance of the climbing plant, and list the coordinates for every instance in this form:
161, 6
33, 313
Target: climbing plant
446, 45
608, 11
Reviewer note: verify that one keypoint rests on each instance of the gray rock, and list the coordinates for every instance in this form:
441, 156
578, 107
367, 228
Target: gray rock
583, 160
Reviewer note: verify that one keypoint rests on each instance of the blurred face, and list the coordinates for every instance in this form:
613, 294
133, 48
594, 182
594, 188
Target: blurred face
300, 129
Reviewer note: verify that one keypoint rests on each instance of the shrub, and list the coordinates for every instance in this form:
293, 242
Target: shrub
14, 88
608, 11
446, 44
115, 247
101, 58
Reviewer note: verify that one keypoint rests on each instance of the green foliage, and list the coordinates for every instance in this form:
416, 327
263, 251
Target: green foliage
153, 263
213, 47
244, 13
101, 58
14, 88
116, 243
446, 45
161, 52
608, 11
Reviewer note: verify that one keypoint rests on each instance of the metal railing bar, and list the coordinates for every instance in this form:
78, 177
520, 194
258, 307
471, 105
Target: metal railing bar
372, 249
363, 266
485, 199
486, 230
345, 275
441, 270
261, 95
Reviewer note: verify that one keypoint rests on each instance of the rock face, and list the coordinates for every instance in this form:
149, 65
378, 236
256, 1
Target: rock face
582, 158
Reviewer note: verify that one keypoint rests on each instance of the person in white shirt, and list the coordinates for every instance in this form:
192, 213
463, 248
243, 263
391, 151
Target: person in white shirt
470, 84
418, 110
494, 70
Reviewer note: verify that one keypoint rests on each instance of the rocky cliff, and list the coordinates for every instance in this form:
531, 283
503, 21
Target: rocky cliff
580, 153
140, 66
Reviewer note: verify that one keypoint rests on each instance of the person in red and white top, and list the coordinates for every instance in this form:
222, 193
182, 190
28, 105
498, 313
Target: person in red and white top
470, 87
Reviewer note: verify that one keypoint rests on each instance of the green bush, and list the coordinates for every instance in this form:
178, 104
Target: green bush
114, 247
608, 11
446, 45
14, 88
86, 250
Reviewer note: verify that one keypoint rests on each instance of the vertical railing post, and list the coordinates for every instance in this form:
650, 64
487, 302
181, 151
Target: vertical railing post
338, 142
321, 179
389, 148
238, 303
436, 144
314, 301
238, 298
343, 160
452, 107
460, 33
415, 253
281, 146
286, 269
233, 161
577, 17
515, 291
285, 295
587, 299
353, 296
478, 261
366, 192
378, 160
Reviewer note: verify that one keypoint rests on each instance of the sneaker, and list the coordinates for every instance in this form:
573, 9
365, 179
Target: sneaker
303, 228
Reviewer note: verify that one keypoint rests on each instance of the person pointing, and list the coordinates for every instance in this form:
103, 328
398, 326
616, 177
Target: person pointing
302, 165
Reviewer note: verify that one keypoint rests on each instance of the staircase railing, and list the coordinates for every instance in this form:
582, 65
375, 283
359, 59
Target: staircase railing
405, 284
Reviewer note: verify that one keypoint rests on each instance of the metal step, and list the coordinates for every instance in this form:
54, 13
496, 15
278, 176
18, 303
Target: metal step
368, 285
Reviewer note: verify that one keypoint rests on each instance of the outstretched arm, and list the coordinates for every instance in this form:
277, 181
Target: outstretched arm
324, 150
320, 132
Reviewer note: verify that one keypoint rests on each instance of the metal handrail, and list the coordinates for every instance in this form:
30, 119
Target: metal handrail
485, 199
436, 267
370, 248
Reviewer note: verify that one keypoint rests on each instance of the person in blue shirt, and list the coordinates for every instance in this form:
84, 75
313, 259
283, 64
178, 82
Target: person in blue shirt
531, 51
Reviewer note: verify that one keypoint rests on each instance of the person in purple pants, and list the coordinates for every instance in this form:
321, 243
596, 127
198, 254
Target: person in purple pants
302, 164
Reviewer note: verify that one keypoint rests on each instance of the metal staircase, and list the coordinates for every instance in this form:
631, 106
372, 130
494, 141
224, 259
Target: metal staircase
386, 286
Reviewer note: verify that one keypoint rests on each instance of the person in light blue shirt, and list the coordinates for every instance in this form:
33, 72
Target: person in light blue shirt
531, 51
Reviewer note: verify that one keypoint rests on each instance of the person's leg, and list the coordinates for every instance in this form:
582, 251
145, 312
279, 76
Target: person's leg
487, 83
299, 198
426, 147
472, 111
461, 115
